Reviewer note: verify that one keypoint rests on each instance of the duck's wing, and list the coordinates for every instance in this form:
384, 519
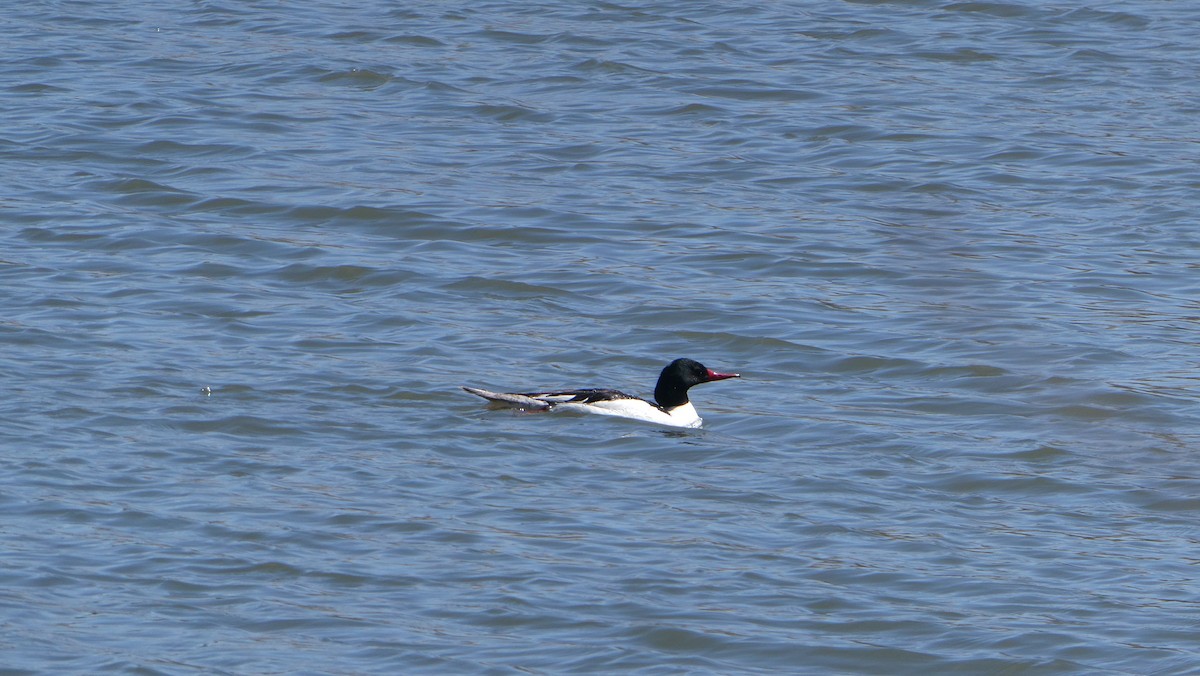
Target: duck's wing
583, 396
545, 400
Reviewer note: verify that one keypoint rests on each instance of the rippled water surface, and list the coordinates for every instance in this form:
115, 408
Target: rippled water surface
251, 250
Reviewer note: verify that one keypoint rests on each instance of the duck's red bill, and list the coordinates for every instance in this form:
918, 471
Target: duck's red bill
713, 375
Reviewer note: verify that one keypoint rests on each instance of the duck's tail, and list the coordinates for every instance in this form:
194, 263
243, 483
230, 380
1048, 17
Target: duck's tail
520, 400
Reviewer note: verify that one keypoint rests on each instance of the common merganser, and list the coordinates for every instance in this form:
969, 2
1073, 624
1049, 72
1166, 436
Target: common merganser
670, 405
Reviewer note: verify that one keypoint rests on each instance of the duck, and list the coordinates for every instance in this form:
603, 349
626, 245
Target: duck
670, 406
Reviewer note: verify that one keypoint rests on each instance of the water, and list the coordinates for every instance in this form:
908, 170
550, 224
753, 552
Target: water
251, 250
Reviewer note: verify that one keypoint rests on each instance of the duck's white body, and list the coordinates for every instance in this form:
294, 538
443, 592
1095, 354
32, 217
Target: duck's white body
638, 409
573, 401
672, 408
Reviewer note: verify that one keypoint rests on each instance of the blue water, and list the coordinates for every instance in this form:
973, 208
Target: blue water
251, 250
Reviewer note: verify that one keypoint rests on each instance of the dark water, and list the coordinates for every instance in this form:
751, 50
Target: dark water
250, 250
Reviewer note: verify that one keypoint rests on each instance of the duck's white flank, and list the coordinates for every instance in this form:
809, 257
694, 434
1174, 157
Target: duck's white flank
636, 409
